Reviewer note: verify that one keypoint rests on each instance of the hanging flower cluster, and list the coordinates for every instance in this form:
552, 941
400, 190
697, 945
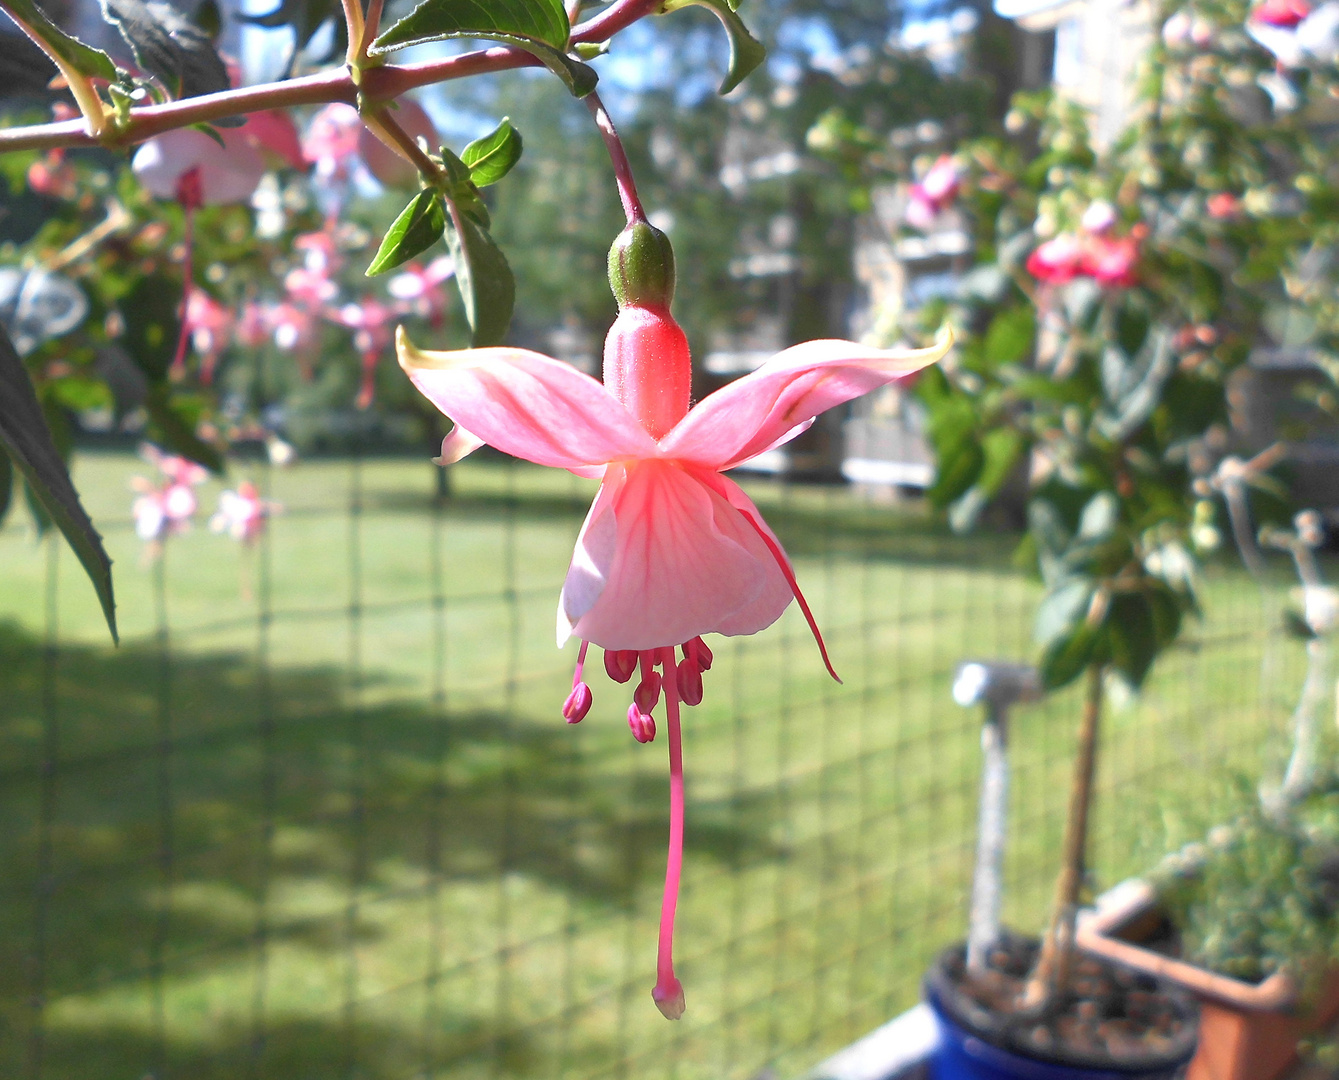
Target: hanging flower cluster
193, 169
1092, 252
934, 194
167, 506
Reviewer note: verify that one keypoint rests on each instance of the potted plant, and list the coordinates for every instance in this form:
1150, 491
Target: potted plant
1249, 921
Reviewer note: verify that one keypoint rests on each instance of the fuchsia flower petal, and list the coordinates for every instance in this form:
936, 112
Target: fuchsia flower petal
663, 556
228, 174
527, 405
762, 409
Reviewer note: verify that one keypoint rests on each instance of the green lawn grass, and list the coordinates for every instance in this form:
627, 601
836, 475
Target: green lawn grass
355, 839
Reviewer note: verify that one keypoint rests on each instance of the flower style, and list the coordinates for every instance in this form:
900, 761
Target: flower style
671, 548
242, 514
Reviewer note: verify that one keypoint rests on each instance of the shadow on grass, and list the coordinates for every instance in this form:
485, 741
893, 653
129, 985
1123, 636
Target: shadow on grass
281, 814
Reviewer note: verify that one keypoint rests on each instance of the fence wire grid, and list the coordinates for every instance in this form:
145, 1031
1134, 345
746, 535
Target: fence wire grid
319, 814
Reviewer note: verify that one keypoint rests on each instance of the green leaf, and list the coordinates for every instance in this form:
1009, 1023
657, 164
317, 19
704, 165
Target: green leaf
1065, 660
746, 51
169, 46
26, 438
538, 26
177, 432
1133, 636
419, 226
484, 279
83, 58
1061, 610
958, 467
152, 318
544, 21
6, 483
492, 157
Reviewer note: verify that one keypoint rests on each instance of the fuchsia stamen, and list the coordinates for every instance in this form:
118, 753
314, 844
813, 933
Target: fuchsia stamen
619, 664
668, 991
643, 725
578, 702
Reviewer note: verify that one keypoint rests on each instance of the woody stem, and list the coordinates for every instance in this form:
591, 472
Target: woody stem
381, 83
627, 186
386, 128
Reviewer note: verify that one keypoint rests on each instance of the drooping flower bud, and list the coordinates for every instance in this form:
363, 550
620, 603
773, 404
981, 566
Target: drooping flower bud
641, 267
646, 361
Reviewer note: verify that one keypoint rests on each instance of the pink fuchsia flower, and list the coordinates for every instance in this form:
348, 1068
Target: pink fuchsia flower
209, 325
242, 514
191, 167
934, 194
1223, 206
1111, 261
1098, 218
1296, 36
166, 507
418, 288
384, 163
671, 548
331, 140
1057, 260
51, 175
370, 321
1284, 13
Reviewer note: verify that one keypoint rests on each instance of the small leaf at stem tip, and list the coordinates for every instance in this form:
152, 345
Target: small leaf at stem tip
28, 443
484, 278
746, 51
418, 226
492, 157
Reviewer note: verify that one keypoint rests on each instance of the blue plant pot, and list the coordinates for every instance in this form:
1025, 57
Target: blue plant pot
968, 1052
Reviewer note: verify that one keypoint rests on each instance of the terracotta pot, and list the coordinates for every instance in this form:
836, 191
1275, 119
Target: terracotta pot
1248, 1031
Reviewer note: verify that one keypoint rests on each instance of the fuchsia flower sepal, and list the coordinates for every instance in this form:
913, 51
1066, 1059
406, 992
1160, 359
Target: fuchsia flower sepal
671, 549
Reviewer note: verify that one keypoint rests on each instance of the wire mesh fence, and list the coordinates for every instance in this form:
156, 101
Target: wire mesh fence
319, 816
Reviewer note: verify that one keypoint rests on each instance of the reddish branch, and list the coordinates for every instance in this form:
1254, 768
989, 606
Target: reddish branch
382, 83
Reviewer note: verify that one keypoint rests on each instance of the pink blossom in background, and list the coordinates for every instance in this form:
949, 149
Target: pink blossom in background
1111, 262
1297, 36
190, 167
1223, 206
370, 321
1285, 13
242, 514
418, 288
1057, 260
209, 325
165, 507
331, 140
934, 194
253, 325
1099, 217
51, 175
